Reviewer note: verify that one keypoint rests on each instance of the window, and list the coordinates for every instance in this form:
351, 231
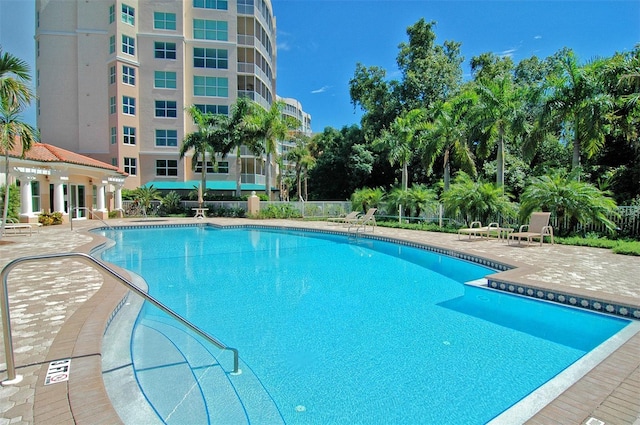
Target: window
35, 195
204, 29
114, 135
223, 167
167, 138
112, 75
166, 108
128, 105
165, 80
128, 75
166, 167
112, 44
210, 58
128, 45
128, 15
165, 50
213, 109
114, 162
112, 105
130, 166
210, 169
210, 86
112, 13
129, 135
164, 21
211, 4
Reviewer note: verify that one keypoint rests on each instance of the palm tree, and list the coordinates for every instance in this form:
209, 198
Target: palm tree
302, 156
366, 198
271, 127
208, 138
239, 131
14, 80
477, 200
577, 106
144, 195
15, 94
448, 135
499, 116
401, 139
569, 200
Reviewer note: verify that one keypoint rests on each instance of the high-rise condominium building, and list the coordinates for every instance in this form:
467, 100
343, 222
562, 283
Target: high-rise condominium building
114, 78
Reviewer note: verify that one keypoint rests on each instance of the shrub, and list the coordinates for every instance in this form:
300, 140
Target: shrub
48, 219
279, 211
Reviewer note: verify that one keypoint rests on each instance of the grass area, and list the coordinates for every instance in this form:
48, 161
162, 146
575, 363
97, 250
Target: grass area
618, 246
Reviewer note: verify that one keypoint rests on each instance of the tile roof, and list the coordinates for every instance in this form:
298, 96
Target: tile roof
43, 152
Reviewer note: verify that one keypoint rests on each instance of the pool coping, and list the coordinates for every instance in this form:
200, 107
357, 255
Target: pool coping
83, 399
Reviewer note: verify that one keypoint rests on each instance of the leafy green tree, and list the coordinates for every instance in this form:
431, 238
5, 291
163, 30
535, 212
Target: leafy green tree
498, 118
207, 139
302, 156
431, 73
271, 127
15, 79
570, 200
401, 140
172, 202
144, 195
417, 199
448, 134
477, 201
365, 198
576, 106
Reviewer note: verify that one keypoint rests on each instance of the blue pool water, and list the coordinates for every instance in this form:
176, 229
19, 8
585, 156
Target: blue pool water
336, 331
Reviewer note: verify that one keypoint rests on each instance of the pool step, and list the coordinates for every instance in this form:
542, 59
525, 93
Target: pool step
186, 383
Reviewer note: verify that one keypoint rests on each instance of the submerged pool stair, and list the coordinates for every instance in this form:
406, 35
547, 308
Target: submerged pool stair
187, 382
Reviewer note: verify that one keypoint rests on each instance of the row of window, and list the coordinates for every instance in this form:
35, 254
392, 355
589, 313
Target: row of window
161, 20
169, 167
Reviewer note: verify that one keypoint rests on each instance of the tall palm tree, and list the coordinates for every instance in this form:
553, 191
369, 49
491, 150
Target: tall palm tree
272, 127
448, 135
239, 130
207, 139
15, 94
401, 139
12, 131
499, 117
577, 106
302, 156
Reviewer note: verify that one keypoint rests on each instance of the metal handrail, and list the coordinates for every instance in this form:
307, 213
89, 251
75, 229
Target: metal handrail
93, 215
6, 318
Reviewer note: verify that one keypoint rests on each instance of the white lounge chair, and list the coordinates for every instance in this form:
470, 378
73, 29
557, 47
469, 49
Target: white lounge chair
349, 218
365, 220
16, 226
476, 229
537, 228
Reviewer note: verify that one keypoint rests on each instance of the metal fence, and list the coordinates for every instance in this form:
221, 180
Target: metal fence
627, 220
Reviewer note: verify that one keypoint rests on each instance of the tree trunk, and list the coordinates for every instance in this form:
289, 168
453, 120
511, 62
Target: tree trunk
405, 176
500, 161
5, 210
203, 182
267, 177
239, 174
575, 161
447, 171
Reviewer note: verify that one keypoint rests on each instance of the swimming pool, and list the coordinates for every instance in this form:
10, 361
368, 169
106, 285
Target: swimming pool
332, 330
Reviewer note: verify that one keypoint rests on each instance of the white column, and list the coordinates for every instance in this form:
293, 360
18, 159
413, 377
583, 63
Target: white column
118, 198
58, 197
26, 202
100, 195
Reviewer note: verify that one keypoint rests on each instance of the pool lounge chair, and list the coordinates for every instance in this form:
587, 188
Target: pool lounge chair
476, 229
363, 221
349, 218
537, 228
17, 227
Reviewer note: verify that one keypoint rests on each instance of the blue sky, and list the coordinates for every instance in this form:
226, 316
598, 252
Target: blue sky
320, 41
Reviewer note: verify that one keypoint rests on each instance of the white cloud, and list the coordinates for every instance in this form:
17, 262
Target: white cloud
537, 37
284, 46
320, 90
507, 53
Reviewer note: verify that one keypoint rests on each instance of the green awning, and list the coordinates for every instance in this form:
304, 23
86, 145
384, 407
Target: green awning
211, 185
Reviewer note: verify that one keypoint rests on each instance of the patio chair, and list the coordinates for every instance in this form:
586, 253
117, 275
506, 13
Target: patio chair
537, 228
16, 226
349, 218
476, 229
362, 221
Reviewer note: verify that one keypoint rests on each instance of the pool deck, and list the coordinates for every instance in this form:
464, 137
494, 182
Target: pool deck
59, 309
